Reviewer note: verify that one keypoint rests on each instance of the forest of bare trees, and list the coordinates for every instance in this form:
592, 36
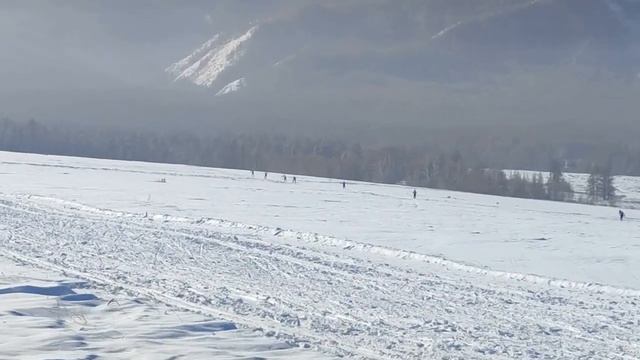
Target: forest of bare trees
600, 186
412, 165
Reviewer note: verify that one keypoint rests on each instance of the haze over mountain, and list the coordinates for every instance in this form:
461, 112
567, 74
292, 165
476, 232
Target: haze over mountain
382, 71
422, 41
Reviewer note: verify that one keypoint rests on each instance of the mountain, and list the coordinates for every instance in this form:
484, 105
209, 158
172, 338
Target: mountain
378, 71
354, 43
204, 66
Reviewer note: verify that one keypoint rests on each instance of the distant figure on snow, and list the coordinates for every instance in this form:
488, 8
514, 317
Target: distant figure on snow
621, 213
295, 180
344, 184
265, 175
415, 193
284, 177
252, 173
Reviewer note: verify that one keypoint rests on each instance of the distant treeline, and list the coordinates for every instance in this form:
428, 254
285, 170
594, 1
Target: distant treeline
417, 166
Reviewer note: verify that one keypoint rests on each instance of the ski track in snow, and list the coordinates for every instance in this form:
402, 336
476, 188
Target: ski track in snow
342, 301
46, 315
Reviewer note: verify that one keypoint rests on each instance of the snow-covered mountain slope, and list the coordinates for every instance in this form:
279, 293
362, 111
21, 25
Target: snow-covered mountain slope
422, 63
179, 67
209, 61
232, 87
458, 39
364, 272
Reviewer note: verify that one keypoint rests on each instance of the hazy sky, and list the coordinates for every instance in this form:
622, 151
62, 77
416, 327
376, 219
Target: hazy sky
410, 63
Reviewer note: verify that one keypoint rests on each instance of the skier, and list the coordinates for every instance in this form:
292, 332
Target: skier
252, 173
294, 180
621, 213
265, 175
344, 185
415, 193
284, 177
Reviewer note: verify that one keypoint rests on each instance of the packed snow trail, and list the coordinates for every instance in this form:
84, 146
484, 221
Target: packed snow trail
339, 301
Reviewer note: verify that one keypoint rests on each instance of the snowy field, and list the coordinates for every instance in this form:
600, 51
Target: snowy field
47, 316
306, 270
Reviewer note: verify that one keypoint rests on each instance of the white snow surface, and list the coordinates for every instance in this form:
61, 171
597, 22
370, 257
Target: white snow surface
444, 31
178, 67
207, 63
482, 16
364, 272
232, 87
47, 315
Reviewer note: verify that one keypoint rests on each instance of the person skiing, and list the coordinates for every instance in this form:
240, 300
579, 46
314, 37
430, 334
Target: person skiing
252, 173
415, 193
621, 213
284, 177
265, 175
295, 180
344, 184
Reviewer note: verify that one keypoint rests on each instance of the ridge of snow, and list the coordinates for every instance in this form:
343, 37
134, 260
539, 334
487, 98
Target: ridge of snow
232, 87
204, 65
446, 30
284, 60
178, 67
485, 16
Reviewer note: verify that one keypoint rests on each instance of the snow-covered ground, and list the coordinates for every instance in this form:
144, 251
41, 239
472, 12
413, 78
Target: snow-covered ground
362, 272
47, 315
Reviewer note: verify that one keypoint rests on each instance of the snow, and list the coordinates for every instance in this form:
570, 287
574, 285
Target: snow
47, 315
205, 48
444, 31
232, 87
512, 235
207, 63
364, 272
285, 60
483, 16
627, 187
